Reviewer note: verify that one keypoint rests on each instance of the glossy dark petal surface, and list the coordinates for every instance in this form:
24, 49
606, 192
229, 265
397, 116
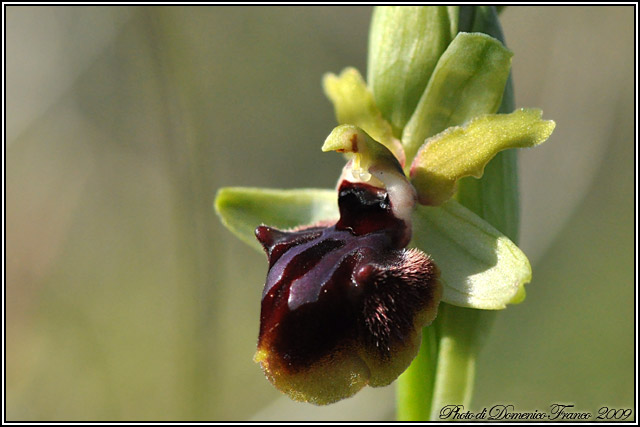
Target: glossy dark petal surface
346, 297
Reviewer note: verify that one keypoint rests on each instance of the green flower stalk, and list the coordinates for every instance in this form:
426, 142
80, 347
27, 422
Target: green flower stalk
423, 221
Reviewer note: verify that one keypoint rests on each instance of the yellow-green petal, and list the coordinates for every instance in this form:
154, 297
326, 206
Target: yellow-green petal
480, 267
464, 151
242, 209
354, 105
365, 150
468, 81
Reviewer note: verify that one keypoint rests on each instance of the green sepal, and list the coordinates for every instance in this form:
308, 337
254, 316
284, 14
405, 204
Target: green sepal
480, 267
465, 150
242, 209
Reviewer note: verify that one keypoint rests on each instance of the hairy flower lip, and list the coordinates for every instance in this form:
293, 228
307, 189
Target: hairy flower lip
344, 296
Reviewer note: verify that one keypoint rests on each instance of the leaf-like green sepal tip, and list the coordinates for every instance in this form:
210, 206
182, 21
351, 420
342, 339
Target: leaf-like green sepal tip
354, 105
366, 152
464, 151
242, 209
468, 81
480, 267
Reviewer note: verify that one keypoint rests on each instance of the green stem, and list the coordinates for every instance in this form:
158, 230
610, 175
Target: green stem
443, 372
494, 197
462, 332
414, 391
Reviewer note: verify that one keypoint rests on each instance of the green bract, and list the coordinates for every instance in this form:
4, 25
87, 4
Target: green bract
401, 64
469, 77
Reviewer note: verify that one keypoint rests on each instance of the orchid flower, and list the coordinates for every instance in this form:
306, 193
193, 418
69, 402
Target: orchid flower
355, 273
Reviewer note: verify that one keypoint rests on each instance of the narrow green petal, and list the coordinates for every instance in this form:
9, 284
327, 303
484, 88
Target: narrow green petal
404, 46
480, 267
464, 151
366, 151
468, 81
354, 105
242, 209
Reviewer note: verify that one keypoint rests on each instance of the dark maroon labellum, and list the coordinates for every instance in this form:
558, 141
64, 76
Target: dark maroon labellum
344, 291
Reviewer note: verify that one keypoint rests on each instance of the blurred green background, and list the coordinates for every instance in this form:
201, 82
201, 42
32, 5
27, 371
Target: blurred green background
127, 300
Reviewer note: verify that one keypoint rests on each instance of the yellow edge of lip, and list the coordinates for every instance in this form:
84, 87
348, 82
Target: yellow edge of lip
260, 356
